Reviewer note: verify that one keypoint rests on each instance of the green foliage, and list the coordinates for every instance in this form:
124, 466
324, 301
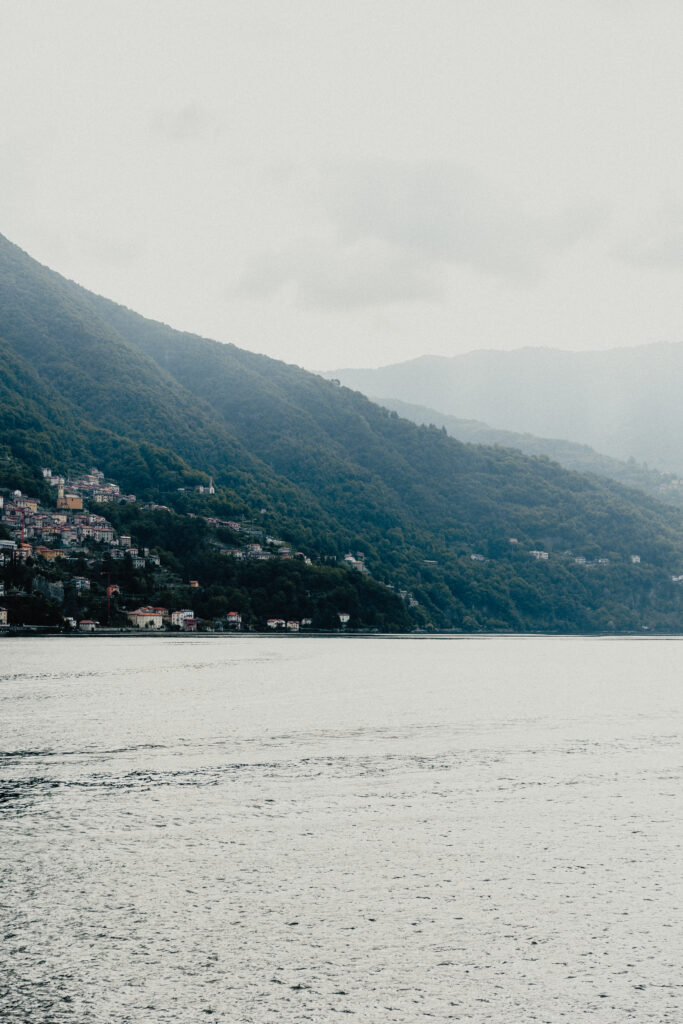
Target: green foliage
85, 381
578, 457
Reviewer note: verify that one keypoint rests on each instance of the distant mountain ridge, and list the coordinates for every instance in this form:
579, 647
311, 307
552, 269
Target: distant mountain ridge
624, 402
580, 458
484, 538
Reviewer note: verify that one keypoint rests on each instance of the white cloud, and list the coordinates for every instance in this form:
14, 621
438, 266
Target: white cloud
389, 232
446, 212
184, 123
338, 275
656, 243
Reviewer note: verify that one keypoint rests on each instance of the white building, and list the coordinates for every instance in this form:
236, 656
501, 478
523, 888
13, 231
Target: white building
178, 618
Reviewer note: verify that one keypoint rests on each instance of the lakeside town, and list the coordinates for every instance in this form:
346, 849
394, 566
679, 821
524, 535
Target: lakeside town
71, 532
66, 552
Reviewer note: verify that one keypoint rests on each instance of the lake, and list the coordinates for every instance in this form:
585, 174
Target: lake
278, 829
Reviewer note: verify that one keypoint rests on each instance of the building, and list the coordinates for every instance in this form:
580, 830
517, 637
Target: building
292, 626
3, 616
355, 561
27, 504
179, 617
233, 553
148, 617
234, 620
87, 626
276, 623
343, 617
71, 502
49, 554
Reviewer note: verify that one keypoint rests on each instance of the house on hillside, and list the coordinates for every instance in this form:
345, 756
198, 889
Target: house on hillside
26, 504
49, 554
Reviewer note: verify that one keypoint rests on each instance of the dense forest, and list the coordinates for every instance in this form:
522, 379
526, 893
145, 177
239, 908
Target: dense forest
85, 381
582, 458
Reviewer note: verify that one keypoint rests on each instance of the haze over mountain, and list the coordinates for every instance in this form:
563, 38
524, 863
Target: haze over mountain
580, 457
485, 538
625, 402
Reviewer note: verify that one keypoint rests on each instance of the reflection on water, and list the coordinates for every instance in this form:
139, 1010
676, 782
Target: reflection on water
247, 829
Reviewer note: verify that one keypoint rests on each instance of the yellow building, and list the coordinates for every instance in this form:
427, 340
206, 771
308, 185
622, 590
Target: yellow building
70, 501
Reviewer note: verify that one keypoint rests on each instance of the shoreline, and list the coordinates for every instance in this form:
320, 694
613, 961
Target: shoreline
48, 632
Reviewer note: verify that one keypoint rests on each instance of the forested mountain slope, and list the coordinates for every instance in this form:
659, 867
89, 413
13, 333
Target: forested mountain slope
581, 458
333, 471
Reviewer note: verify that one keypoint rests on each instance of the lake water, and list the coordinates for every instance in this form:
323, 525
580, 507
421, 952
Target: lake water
289, 829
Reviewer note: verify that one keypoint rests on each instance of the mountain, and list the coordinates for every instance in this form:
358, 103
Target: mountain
475, 537
579, 457
624, 402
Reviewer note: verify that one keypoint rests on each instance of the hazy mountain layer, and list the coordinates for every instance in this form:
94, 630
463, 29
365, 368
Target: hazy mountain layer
86, 380
578, 457
624, 402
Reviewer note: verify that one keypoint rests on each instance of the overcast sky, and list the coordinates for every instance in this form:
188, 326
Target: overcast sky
354, 182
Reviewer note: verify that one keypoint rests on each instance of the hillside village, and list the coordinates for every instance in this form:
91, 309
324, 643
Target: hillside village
72, 533
65, 564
